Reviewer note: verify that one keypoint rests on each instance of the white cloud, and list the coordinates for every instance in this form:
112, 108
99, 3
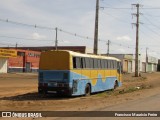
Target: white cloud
38, 36
124, 38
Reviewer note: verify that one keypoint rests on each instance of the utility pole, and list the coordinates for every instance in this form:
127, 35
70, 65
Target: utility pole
96, 29
137, 41
16, 45
146, 58
56, 41
108, 47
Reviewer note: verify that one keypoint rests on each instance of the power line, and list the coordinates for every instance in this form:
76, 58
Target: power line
28, 25
129, 8
152, 15
155, 32
75, 34
61, 30
147, 34
126, 46
24, 38
42, 27
106, 3
116, 18
117, 8
151, 22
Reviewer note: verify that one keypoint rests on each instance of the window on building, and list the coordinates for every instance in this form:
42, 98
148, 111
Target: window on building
20, 53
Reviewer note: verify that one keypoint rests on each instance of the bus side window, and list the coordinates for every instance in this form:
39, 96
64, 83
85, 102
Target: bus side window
76, 62
99, 63
109, 64
95, 63
106, 64
87, 63
115, 62
103, 63
83, 64
91, 63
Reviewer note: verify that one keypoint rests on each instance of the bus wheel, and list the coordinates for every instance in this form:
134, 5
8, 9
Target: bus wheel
115, 84
87, 90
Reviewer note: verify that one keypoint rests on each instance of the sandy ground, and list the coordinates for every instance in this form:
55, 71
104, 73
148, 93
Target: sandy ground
18, 92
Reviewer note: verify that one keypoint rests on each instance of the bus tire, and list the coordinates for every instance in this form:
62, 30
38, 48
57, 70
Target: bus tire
87, 90
115, 84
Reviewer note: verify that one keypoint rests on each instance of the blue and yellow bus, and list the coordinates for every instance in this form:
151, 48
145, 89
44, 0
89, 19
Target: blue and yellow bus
71, 73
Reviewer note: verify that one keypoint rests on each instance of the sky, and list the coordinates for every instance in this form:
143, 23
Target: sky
33, 23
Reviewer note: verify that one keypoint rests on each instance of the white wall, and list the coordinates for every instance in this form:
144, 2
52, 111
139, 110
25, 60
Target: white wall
3, 65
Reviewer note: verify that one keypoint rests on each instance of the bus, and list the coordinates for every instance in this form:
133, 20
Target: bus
74, 74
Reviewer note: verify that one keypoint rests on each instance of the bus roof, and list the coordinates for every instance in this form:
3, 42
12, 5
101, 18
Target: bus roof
87, 55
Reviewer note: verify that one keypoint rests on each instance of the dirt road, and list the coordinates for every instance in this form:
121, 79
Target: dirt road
19, 92
146, 104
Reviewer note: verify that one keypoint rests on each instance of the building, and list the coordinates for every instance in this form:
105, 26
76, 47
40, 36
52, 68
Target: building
81, 49
5, 55
27, 58
26, 61
148, 64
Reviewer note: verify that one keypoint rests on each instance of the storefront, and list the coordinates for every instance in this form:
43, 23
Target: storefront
26, 61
